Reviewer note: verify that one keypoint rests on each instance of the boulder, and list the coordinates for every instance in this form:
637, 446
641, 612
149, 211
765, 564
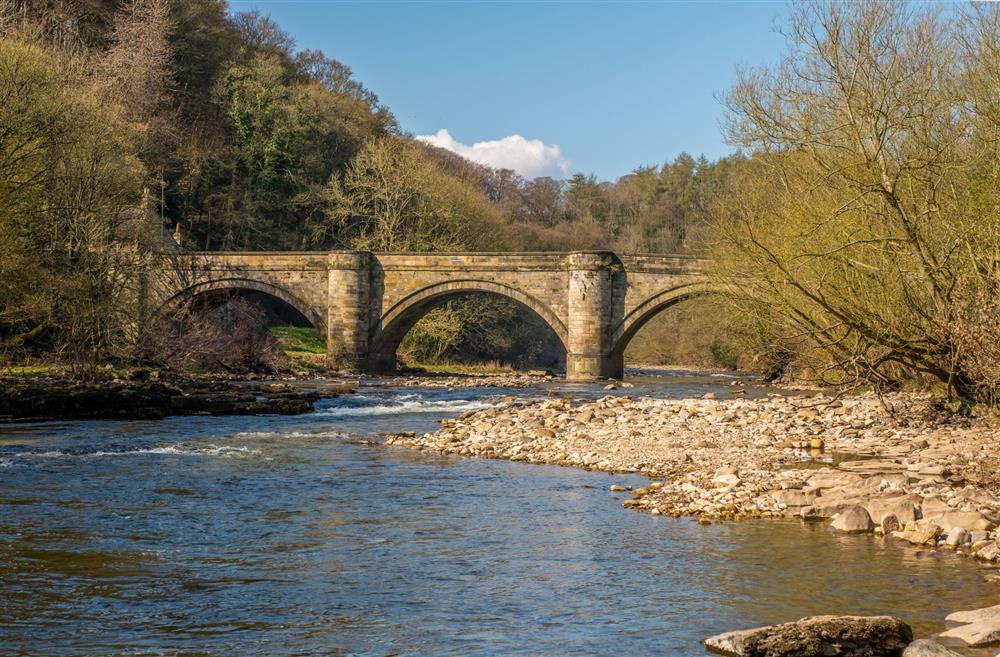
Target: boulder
927, 648
794, 497
818, 636
989, 552
903, 508
853, 520
957, 536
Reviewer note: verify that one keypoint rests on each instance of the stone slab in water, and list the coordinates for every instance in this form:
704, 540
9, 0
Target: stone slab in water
976, 635
818, 636
974, 615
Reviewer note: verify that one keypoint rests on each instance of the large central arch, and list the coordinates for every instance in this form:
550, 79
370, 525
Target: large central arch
397, 321
240, 283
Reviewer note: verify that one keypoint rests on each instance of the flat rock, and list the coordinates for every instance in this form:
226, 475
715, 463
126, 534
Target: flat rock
970, 520
818, 636
975, 635
975, 615
928, 648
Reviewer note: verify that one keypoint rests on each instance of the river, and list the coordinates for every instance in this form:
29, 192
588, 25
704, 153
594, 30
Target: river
305, 536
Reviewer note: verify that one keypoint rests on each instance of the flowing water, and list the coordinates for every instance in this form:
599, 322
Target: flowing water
305, 536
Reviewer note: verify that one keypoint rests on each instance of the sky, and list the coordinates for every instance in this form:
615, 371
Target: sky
546, 88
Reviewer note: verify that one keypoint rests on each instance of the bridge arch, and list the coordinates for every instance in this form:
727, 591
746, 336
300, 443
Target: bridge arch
397, 321
240, 283
635, 319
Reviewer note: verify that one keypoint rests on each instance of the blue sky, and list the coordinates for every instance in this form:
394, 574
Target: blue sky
591, 87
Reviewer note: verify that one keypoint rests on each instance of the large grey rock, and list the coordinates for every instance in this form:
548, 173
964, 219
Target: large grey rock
854, 520
818, 636
927, 648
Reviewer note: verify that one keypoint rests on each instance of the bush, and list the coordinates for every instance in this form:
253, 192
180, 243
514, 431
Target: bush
229, 336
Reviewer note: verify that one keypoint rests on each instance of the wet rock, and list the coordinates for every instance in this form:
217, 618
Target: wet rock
818, 636
854, 520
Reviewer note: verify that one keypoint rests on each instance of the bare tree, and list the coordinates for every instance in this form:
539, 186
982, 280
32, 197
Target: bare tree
861, 228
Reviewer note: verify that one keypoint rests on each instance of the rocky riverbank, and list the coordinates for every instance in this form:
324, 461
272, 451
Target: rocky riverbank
48, 399
900, 468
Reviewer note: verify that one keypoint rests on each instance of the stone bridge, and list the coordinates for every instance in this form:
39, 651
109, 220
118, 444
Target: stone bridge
364, 302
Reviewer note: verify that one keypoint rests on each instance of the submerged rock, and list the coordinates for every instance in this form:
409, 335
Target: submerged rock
818, 636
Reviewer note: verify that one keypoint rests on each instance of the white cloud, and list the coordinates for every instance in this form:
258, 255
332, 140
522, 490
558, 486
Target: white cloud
529, 157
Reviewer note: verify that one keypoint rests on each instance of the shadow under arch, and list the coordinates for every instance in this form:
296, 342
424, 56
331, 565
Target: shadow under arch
239, 283
654, 305
397, 321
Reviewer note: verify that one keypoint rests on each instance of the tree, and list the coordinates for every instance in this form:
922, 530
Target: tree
863, 225
392, 198
75, 233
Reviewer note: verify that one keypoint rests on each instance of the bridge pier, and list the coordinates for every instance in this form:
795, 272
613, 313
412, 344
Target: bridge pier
591, 315
348, 309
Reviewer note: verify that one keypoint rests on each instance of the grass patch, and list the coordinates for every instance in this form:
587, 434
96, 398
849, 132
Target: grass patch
33, 370
299, 340
304, 347
489, 367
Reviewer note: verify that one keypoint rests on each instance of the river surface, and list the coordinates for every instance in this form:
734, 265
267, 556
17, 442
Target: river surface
305, 536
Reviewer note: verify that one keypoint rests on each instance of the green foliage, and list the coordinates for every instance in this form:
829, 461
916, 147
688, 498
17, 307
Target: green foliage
482, 327
299, 339
70, 186
862, 235
696, 332
394, 198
